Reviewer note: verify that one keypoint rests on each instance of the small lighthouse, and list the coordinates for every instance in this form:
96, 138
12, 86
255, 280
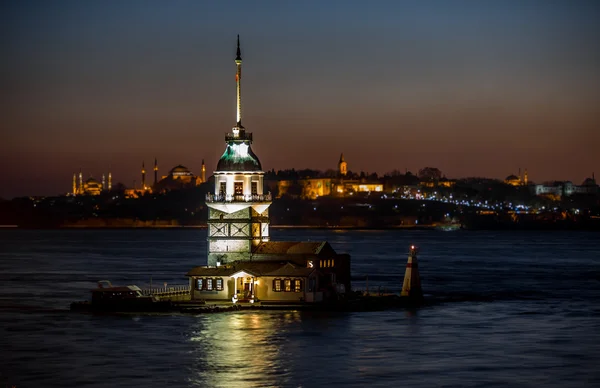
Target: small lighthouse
411, 287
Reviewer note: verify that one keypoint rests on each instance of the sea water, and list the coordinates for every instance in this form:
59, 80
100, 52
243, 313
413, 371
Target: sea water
516, 309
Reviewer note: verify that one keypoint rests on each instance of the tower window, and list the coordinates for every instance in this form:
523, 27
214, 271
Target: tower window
254, 187
222, 188
238, 188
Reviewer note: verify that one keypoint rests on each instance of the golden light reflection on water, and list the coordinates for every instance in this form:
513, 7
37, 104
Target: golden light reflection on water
241, 349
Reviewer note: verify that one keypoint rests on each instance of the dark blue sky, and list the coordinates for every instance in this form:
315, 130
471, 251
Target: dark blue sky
473, 88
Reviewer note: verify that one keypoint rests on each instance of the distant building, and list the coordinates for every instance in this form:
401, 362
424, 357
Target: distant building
179, 177
514, 180
312, 188
559, 189
90, 186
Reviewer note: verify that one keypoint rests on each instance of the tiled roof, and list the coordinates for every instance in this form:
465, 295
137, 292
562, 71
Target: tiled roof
290, 248
255, 268
211, 271
290, 270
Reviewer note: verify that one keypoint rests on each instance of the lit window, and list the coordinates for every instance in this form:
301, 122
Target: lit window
209, 284
238, 188
254, 188
199, 284
332, 262
287, 285
297, 285
277, 285
219, 284
222, 188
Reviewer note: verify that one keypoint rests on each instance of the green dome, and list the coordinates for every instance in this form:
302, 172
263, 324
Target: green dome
239, 157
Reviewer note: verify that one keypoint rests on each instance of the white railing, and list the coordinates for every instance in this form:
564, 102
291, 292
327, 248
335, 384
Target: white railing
239, 198
166, 291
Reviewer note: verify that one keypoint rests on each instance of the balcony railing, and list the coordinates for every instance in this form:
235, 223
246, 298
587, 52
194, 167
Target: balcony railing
239, 198
241, 136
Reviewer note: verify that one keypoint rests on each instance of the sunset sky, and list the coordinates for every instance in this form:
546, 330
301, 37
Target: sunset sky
475, 88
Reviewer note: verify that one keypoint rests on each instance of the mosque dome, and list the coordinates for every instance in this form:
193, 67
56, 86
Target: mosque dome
238, 157
180, 170
589, 182
92, 182
512, 178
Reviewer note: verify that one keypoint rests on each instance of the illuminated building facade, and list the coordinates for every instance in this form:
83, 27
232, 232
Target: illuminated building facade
90, 186
342, 166
243, 265
558, 189
313, 188
179, 177
521, 180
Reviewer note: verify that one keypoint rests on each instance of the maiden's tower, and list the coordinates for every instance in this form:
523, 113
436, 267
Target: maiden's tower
243, 264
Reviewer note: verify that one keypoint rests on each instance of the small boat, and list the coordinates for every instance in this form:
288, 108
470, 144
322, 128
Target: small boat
107, 297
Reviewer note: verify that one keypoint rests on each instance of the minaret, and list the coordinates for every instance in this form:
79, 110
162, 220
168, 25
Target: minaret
80, 182
109, 181
74, 184
238, 211
342, 166
155, 171
143, 177
203, 173
525, 178
103, 182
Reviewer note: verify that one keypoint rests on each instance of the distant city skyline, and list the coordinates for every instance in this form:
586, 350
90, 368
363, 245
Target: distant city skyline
473, 89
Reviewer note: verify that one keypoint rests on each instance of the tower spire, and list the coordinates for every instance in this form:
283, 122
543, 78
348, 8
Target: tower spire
238, 82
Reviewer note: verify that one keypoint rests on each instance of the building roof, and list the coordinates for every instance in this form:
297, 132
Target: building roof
589, 182
291, 270
238, 156
291, 247
180, 170
92, 181
255, 268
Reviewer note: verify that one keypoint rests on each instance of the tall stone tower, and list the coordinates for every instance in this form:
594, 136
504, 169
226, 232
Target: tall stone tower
342, 166
238, 210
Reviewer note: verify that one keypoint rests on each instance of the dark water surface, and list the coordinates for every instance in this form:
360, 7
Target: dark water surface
525, 312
